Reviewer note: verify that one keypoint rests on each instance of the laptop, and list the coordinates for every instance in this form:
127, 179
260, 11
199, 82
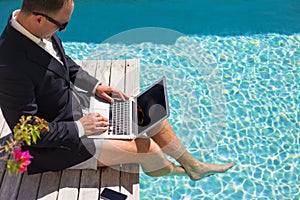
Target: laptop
131, 118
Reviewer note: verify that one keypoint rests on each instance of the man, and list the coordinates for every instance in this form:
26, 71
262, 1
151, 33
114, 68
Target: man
37, 78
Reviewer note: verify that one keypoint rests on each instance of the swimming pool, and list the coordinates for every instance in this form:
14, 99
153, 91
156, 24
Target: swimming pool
233, 97
241, 104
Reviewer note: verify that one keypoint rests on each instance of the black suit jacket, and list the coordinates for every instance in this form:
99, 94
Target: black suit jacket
32, 82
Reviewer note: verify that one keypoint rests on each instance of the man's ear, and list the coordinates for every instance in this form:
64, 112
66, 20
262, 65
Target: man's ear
37, 18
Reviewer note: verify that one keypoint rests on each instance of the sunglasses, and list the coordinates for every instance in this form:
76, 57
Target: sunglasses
60, 26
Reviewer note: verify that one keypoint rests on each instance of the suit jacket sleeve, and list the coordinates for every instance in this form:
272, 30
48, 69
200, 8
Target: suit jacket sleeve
17, 94
80, 77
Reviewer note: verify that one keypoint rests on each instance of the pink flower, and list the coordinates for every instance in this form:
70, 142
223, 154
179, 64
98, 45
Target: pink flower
22, 158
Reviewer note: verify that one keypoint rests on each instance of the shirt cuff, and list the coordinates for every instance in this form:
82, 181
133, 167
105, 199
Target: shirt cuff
94, 90
80, 128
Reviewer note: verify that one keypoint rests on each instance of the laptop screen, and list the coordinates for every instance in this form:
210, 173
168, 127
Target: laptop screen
152, 106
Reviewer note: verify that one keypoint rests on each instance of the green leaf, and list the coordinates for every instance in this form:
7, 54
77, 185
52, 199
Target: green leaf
28, 118
6, 148
34, 138
28, 141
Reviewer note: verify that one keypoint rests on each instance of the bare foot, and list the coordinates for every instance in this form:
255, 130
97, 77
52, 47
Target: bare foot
200, 170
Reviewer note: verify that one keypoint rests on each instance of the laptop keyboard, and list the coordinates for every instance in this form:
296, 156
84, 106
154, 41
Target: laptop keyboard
119, 118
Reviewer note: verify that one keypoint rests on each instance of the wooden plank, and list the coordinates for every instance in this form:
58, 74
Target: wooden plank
2, 170
110, 178
130, 172
5, 180
90, 66
130, 181
3, 162
49, 186
103, 71
89, 185
69, 184
4, 129
132, 72
10, 185
2, 122
117, 75
29, 187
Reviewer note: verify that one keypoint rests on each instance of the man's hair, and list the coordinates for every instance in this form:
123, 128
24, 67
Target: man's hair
47, 6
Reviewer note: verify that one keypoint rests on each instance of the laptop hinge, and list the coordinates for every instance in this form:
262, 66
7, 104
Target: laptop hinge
134, 116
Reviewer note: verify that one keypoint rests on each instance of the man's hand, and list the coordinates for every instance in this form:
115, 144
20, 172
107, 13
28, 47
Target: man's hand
94, 123
104, 91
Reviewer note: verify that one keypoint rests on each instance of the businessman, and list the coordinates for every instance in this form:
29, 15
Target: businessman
37, 78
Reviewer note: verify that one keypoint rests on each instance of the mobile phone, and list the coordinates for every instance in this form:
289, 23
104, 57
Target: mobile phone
109, 194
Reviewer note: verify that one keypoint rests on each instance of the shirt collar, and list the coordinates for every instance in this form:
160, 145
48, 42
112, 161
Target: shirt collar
15, 24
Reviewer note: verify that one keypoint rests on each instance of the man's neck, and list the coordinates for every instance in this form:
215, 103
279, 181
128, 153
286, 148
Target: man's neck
22, 19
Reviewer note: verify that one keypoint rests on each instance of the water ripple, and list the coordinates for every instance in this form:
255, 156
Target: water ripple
232, 98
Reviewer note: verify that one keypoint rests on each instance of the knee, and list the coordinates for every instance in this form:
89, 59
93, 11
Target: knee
158, 128
146, 145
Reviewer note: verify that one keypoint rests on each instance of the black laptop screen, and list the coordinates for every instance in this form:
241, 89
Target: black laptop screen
152, 106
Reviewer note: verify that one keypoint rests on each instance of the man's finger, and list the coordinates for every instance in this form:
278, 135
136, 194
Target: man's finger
121, 95
101, 129
102, 118
107, 98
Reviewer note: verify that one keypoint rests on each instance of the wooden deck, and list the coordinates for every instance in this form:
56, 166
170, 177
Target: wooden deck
80, 184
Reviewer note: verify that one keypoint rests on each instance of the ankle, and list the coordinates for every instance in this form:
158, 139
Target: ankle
161, 172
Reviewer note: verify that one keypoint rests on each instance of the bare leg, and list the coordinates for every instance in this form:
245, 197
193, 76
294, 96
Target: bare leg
167, 140
143, 151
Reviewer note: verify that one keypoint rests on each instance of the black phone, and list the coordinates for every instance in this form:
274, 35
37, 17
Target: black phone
109, 194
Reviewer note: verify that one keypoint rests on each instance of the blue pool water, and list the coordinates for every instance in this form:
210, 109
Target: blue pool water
95, 20
234, 80
232, 98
